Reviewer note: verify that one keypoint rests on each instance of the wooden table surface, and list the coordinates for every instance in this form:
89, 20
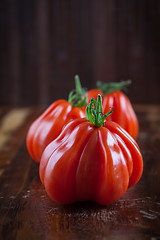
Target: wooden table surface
26, 212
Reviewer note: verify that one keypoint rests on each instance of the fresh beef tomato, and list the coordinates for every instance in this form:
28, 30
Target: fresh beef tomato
92, 159
123, 113
49, 125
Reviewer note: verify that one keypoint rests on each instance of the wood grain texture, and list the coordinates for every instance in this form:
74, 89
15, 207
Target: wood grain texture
43, 44
26, 212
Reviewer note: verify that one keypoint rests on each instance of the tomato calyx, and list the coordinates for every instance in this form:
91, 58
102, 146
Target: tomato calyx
107, 88
78, 96
94, 112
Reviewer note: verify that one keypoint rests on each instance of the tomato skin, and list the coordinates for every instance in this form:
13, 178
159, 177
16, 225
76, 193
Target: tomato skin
123, 113
49, 125
88, 163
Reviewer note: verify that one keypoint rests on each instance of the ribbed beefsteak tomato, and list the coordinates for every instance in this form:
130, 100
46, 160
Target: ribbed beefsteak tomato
92, 159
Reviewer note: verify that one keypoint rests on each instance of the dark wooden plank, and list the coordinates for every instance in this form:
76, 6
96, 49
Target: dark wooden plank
43, 44
26, 212
13, 126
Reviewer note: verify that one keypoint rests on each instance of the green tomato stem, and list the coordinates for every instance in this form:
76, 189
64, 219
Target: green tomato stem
78, 96
107, 88
94, 112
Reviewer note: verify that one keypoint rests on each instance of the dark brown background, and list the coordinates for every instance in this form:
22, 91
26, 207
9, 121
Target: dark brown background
43, 44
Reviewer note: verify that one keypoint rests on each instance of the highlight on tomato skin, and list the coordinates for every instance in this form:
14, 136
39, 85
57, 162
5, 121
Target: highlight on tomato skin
124, 113
50, 124
92, 159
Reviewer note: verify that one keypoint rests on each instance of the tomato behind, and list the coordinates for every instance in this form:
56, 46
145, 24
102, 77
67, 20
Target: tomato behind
123, 113
49, 125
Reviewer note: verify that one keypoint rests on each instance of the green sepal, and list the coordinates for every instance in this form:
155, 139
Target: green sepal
107, 88
78, 96
94, 112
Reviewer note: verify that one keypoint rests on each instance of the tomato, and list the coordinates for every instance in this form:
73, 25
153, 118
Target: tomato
123, 113
92, 159
49, 125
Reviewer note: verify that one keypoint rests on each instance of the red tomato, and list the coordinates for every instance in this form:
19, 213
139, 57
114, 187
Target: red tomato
49, 125
123, 113
90, 161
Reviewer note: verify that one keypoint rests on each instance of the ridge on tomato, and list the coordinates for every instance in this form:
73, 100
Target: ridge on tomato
92, 159
49, 125
124, 113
